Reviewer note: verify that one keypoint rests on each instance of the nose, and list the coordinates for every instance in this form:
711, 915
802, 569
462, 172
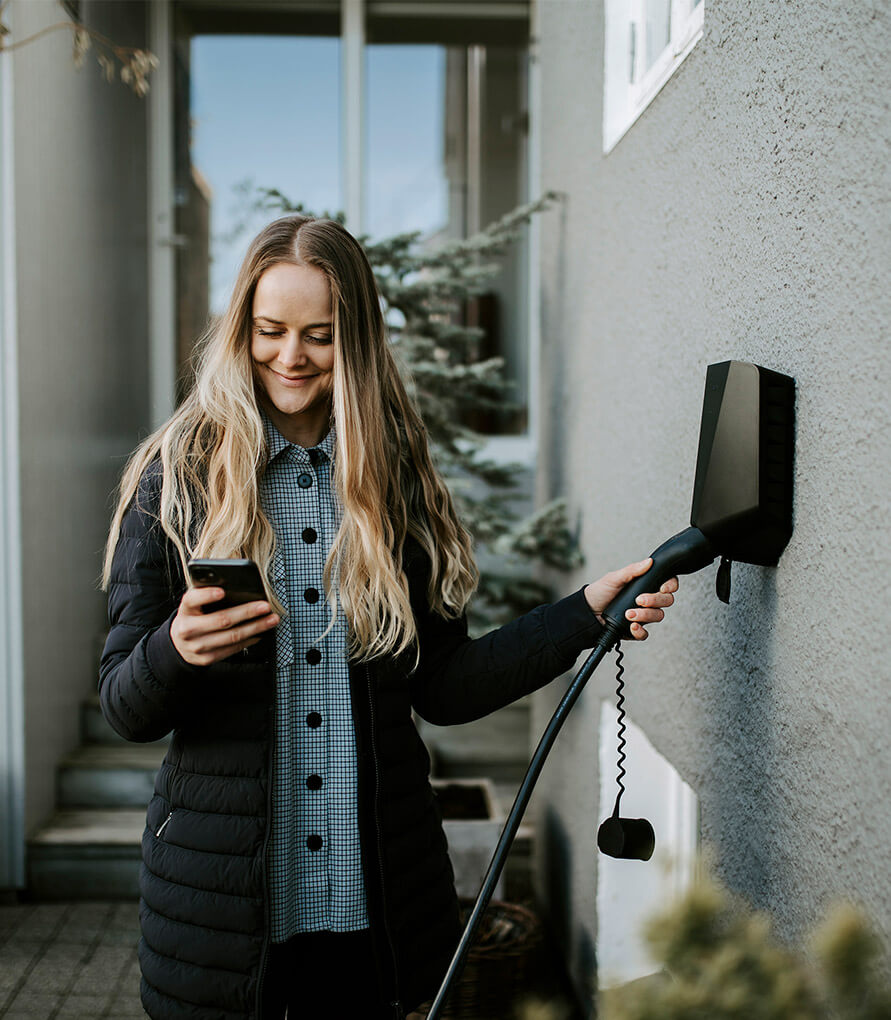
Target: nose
292, 351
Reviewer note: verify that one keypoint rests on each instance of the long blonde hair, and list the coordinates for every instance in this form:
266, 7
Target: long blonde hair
213, 453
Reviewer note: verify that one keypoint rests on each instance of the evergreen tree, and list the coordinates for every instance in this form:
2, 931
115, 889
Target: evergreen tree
425, 292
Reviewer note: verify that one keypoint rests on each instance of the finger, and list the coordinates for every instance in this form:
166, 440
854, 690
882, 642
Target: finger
638, 633
626, 574
670, 585
645, 615
197, 628
218, 654
194, 598
232, 616
232, 636
655, 599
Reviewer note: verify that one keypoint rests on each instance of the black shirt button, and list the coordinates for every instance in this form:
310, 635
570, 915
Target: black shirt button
314, 782
304, 479
314, 842
313, 720
311, 595
313, 656
309, 535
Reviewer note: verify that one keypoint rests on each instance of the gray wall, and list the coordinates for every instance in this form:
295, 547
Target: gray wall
745, 216
80, 150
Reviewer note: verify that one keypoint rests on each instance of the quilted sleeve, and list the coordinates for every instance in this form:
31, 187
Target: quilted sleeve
459, 678
144, 683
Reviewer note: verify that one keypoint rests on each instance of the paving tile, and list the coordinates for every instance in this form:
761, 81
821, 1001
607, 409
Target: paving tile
84, 923
34, 1004
119, 937
108, 959
128, 988
12, 917
24, 1014
125, 915
87, 1006
126, 1008
53, 972
15, 959
42, 922
132, 975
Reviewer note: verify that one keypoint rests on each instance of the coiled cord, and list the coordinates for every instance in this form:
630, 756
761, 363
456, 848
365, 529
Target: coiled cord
620, 705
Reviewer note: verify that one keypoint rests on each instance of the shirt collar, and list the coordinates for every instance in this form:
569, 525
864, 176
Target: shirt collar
276, 442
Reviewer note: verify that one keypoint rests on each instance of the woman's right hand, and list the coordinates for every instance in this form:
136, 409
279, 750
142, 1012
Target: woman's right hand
203, 638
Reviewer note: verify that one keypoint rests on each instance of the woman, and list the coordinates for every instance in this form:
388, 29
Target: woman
293, 856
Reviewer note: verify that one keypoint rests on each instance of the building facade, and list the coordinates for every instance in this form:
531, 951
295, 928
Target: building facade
738, 208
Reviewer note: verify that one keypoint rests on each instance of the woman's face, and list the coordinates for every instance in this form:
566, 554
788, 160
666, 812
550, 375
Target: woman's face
292, 346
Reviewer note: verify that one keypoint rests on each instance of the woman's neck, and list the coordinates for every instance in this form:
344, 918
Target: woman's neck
306, 430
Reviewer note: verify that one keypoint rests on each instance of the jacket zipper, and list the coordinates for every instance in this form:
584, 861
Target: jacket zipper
395, 1004
163, 824
264, 953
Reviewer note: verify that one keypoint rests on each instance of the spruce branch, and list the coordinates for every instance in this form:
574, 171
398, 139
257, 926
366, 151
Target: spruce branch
425, 292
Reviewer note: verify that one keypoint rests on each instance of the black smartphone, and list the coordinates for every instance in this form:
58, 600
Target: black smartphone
240, 579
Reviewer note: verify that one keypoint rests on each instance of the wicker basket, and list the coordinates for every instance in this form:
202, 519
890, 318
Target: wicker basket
499, 966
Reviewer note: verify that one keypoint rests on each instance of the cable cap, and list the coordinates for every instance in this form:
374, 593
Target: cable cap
629, 839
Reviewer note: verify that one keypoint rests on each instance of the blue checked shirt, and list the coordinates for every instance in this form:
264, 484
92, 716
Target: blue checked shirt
314, 862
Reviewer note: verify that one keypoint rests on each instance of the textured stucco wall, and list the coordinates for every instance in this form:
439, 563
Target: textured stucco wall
744, 215
80, 154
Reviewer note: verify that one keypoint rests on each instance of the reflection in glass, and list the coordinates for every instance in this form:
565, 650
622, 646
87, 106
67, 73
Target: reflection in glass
264, 109
658, 31
405, 181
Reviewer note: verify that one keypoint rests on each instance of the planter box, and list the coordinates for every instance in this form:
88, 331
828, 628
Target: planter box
473, 822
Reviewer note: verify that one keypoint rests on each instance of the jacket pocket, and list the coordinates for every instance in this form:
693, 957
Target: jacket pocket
164, 824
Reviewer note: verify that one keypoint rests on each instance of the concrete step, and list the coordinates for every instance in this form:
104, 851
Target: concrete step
497, 746
94, 854
94, 728
108, 775
87, 855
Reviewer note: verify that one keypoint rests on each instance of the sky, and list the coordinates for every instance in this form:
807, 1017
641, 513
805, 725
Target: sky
267, 108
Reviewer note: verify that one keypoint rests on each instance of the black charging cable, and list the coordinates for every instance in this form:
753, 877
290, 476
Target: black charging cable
684, 553
608, 638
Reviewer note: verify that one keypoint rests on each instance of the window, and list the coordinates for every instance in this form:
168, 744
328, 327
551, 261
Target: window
406, 116
445, 153
644, 42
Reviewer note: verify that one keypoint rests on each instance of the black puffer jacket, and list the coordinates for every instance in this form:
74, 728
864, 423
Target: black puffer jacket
203, 908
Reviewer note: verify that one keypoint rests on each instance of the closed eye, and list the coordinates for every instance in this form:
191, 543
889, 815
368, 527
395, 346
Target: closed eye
321, 340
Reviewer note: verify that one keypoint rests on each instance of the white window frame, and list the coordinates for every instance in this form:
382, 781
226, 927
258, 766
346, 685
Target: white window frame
12, 665
161, 219
629, 893
628, 87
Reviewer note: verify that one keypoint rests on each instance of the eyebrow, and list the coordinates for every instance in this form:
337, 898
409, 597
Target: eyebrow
278, 322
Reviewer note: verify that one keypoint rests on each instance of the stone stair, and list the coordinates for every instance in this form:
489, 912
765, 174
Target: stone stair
90, 847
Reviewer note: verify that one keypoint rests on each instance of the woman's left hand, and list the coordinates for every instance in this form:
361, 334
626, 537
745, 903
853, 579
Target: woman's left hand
602, 592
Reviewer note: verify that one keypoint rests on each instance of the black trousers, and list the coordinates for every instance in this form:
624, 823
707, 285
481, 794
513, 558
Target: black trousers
326, 974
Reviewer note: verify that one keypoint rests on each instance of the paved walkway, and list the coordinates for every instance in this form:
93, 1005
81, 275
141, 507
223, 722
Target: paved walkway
71, 960
77, 961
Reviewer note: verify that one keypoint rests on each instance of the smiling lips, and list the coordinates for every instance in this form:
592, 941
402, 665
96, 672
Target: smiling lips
292, 379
